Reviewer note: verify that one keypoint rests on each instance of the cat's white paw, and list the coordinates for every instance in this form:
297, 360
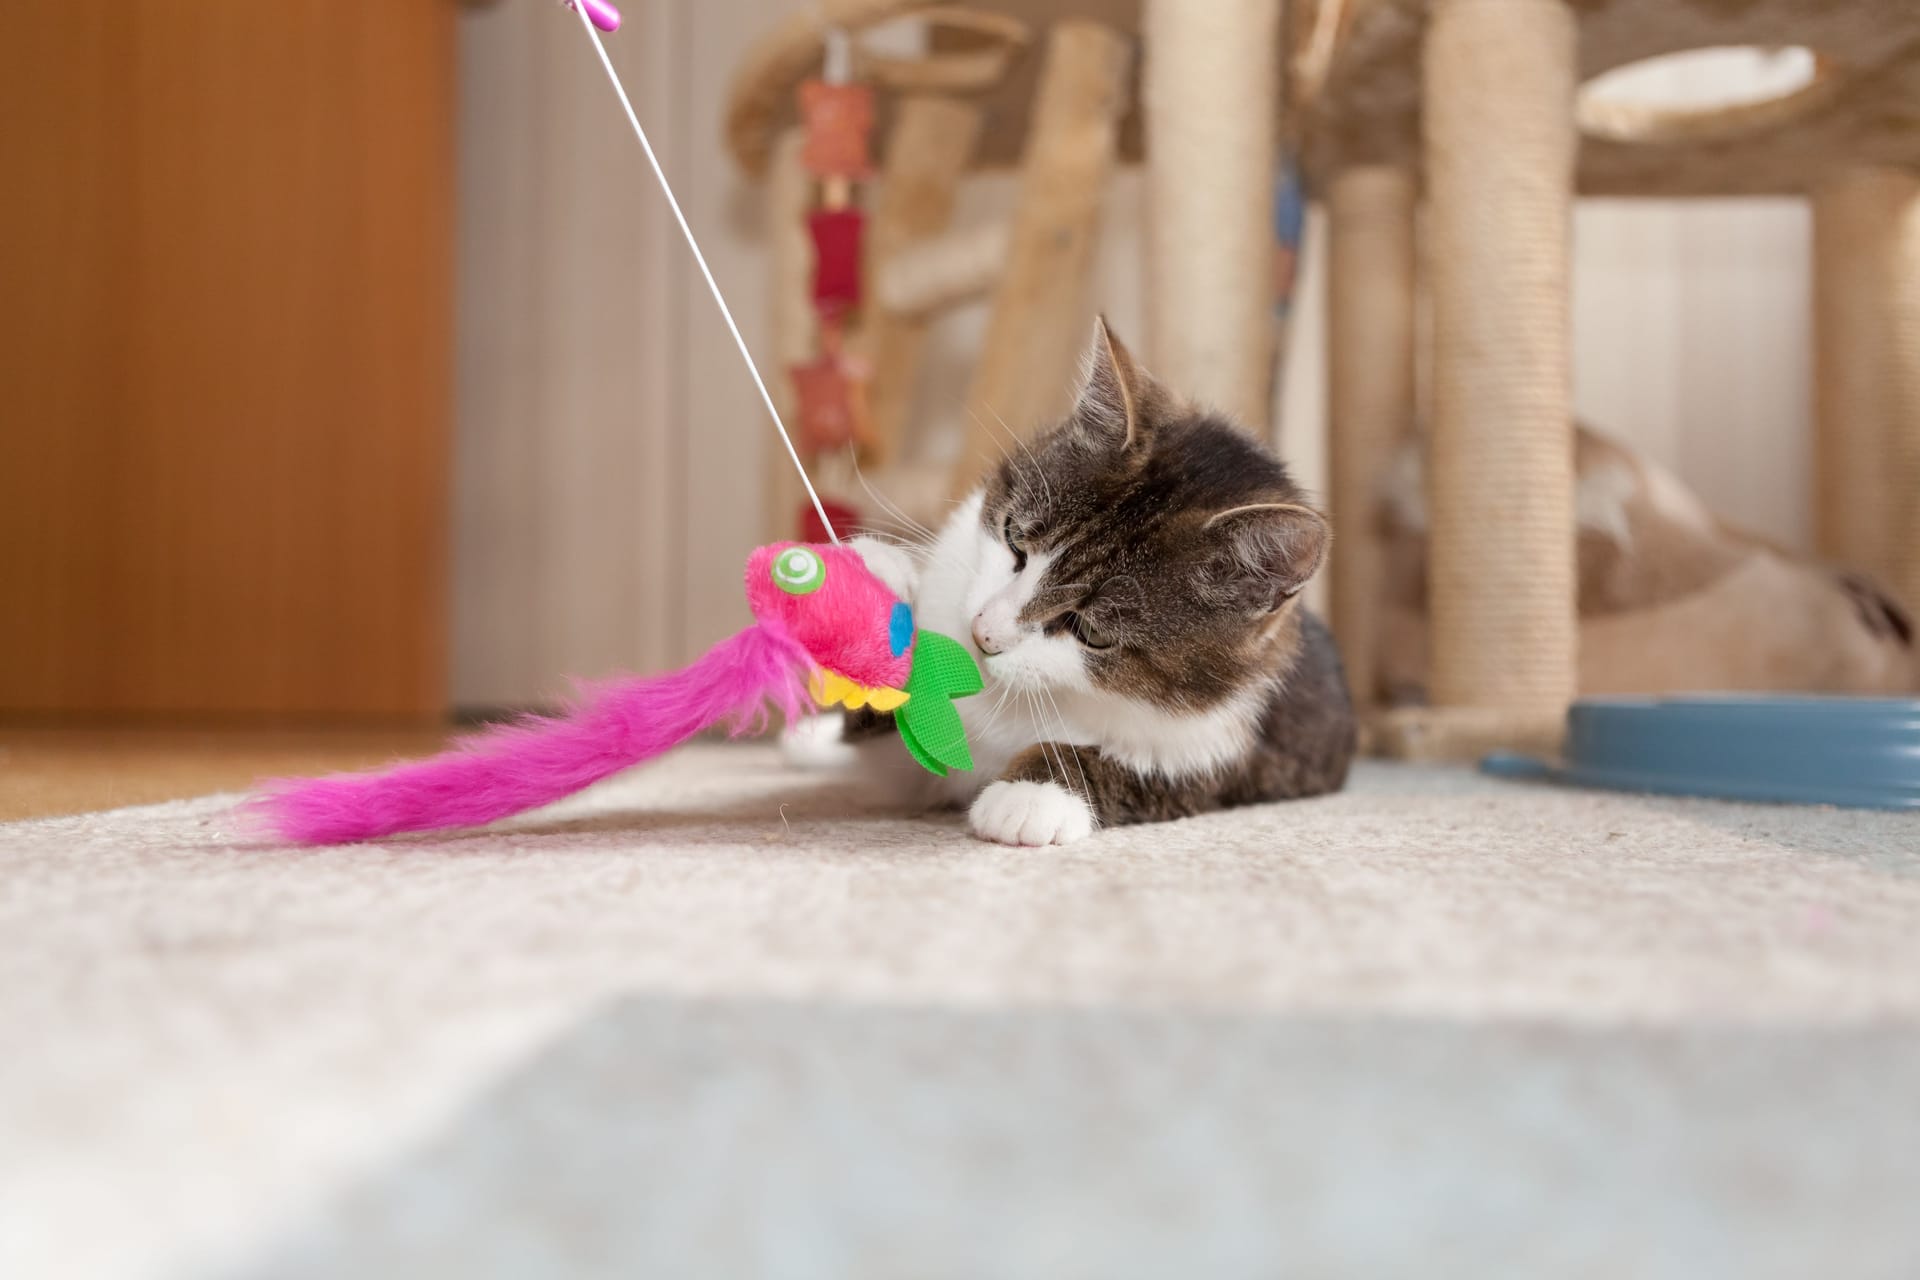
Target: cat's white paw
816, 742
1030, 813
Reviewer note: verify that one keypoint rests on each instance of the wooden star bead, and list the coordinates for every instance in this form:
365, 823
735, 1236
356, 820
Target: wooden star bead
833, 408
825, 413
839, 122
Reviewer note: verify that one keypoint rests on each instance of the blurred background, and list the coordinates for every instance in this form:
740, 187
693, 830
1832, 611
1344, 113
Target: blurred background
353, 371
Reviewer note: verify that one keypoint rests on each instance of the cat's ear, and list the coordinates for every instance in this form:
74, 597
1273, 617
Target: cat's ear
1118, 401
1272, 548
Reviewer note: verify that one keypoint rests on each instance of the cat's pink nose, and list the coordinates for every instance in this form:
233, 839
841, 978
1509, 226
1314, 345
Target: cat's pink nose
982, 638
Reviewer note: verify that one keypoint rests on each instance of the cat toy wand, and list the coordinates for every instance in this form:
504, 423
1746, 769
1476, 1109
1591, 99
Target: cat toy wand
823, 625
587, 24
602, 14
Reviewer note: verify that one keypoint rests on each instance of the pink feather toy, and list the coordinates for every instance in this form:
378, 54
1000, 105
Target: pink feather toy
824, 625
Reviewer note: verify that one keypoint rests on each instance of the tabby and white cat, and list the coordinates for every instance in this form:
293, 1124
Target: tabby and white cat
1129, 583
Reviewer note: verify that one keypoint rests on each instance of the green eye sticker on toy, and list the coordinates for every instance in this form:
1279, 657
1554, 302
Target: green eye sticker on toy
799, 572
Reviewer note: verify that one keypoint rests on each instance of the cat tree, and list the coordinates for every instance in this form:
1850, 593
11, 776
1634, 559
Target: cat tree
1447, 140
1050, 89
1473, 107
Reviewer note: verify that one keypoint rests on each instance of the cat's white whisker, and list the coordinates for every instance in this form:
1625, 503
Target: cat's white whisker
1058, 741
1022, 442
1056, 731
926, 554
1065, 742
885, 503
981, 423
919, 552
997, 716
1040, 733
987, 458
992, 717
1026, 470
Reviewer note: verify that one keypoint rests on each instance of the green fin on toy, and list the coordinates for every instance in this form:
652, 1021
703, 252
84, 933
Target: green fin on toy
919, 752
929, 723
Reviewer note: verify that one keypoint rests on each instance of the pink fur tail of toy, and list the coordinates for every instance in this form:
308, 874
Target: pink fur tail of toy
522, 766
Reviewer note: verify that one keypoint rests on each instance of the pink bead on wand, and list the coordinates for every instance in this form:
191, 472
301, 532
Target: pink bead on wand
599, 12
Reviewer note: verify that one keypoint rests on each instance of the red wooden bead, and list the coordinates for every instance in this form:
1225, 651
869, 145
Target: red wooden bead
839, 121
836, 257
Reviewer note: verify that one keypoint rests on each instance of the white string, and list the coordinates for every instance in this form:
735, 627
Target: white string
838, 65
766, 398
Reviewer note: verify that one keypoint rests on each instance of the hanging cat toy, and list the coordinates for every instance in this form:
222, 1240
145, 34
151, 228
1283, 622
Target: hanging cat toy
825, 629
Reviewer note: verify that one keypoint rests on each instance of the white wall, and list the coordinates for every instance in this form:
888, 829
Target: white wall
611, 446
568, 523
1692, 343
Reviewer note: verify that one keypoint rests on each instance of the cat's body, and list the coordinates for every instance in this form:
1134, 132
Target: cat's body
1128, 582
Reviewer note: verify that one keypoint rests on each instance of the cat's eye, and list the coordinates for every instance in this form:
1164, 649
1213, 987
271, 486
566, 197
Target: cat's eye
1013, 544
1086, 633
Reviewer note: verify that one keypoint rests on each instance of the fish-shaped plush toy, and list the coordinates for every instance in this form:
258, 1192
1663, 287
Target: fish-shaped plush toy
824, 625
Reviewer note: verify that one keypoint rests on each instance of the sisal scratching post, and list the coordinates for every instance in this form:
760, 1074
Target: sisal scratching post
1501, 77
1370, 387
1867, 374
1211, 90
927, 153
1902, 477
792, 321
1857, 219
1040, 317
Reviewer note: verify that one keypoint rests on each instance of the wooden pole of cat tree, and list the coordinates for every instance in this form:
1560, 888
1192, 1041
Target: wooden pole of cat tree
792, 322
1500, 139
1903, 421
1210, 191
927, 152
1040, 315
1859, 221
1370, 388
941, 271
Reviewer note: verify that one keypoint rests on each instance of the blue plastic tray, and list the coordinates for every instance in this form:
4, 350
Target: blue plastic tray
1858, 752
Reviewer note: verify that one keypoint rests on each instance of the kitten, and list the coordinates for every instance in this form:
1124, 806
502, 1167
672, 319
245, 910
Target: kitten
1129, 582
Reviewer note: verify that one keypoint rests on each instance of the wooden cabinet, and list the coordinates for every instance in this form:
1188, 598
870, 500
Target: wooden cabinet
226, 247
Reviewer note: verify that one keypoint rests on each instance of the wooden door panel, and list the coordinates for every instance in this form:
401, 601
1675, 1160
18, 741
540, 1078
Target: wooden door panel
225, 356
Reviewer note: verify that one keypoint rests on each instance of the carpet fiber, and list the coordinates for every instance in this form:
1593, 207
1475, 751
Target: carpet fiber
717, 1018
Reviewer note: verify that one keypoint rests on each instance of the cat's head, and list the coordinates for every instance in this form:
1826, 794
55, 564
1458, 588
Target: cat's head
1143, 548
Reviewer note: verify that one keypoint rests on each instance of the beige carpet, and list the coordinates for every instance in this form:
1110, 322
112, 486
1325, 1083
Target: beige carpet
721, 1019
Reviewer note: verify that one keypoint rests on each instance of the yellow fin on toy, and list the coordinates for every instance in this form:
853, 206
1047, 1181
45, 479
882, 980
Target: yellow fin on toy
831, 689
886, 699
828, 688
